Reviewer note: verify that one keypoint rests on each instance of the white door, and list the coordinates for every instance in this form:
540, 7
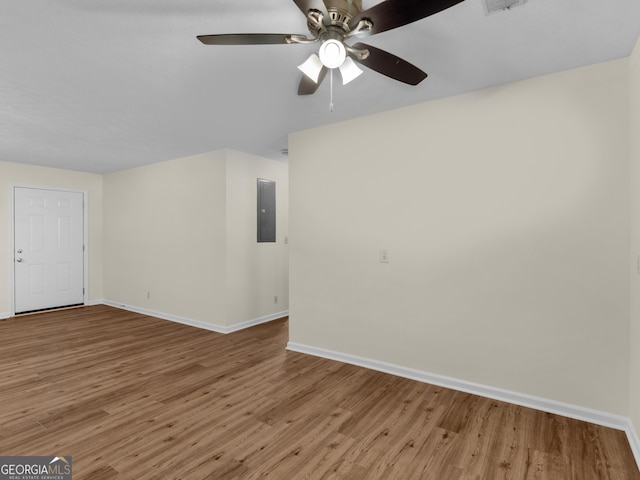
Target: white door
49, 249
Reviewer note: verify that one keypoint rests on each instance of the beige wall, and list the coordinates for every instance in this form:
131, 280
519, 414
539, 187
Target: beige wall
175, 239
165, 237
256, 272
179, 236
505, 212
27, 175
634, 83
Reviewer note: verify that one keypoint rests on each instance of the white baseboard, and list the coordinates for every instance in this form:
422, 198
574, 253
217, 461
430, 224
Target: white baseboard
572, 411
198, 323
256, 321
634, 441
5, 315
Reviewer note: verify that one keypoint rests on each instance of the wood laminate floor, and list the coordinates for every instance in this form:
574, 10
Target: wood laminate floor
134, 397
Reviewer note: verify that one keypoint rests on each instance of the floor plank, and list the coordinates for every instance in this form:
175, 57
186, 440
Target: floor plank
134, 397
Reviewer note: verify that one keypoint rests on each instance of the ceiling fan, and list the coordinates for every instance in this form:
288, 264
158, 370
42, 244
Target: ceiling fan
332, 22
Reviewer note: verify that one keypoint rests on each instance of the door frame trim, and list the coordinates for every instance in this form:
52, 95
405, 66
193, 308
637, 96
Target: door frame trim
85, 239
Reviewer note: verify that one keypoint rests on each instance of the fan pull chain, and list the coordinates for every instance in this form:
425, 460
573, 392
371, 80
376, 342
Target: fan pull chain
331, 90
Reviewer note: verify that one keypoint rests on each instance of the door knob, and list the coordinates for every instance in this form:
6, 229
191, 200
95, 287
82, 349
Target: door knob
19, 260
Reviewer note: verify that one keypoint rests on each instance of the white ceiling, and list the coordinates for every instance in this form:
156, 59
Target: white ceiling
104, 85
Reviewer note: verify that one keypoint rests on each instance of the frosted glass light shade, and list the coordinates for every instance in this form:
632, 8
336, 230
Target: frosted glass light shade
349, 71
312, 67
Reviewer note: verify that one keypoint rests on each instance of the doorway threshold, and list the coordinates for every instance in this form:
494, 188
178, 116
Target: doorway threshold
49, 309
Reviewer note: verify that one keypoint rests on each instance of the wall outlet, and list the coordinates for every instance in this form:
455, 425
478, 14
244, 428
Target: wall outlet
384, 255
275, 299
148, 294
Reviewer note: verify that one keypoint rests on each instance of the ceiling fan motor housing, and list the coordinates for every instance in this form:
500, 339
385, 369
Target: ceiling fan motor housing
340, 13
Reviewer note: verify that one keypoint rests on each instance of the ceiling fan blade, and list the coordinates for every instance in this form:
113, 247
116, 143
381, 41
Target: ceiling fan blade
308, 86
306, 5
246, 39
390, 65
396, 13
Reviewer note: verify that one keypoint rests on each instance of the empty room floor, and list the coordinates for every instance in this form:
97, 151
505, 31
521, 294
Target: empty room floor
133, 397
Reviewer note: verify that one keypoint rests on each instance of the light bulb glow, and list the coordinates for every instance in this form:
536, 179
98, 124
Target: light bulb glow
332, 53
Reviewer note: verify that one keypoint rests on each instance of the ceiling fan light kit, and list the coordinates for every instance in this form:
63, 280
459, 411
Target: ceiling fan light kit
312, 67
332, 22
